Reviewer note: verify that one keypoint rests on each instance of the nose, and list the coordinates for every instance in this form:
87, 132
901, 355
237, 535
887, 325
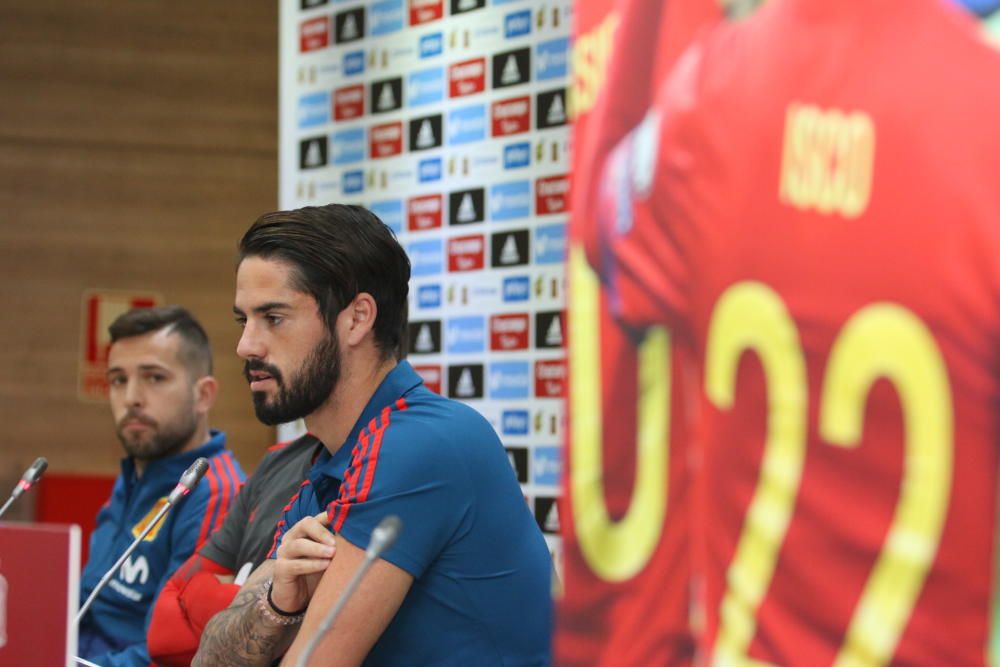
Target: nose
250, 345
133, 393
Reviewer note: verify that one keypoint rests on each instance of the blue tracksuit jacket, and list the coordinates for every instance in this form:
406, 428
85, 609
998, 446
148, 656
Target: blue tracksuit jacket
113, 633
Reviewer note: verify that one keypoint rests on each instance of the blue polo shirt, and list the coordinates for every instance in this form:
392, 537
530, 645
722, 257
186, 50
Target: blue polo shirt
481, 590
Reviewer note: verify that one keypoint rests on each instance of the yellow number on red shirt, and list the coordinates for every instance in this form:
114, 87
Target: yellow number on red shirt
880, 341
615, 550
752, 317
885, 340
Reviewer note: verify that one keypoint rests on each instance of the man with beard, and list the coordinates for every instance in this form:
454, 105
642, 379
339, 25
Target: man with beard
161, 389
322, 295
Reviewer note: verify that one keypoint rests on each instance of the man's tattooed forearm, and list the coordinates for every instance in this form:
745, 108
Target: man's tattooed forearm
239, 636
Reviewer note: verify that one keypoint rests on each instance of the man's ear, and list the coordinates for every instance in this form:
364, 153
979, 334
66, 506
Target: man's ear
362, 313
206, 389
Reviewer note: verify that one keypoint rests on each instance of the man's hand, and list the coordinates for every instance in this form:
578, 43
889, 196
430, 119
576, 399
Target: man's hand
304, 555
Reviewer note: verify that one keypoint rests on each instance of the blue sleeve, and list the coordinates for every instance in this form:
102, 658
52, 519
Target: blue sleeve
408, 470
301, 505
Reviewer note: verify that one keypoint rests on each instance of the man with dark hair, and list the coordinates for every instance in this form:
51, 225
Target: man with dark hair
322, 295
161, 389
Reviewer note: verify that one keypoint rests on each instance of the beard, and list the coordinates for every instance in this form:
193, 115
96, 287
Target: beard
160, 440
305, 391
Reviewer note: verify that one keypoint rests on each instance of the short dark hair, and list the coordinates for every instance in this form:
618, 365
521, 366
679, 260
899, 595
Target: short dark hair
336, 252
195, 352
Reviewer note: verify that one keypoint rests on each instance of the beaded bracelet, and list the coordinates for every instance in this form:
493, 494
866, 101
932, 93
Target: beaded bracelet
272, 613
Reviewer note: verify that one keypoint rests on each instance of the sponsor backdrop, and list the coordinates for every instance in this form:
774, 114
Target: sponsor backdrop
448, 119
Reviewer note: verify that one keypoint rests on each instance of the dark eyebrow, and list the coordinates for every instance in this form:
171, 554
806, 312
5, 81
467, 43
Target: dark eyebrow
263, 308
271, 305
142, 367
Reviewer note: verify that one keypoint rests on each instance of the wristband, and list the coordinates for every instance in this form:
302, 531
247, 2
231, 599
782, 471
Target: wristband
278, 616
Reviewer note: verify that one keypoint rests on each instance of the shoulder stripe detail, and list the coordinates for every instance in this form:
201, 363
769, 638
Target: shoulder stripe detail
279, 528
364, 463
225, 493
235, 485
211, 476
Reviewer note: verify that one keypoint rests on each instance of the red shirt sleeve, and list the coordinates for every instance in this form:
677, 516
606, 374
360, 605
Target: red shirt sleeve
185, 605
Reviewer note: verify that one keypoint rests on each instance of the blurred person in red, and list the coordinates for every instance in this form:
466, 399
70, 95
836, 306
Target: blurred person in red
810, 203
626, 507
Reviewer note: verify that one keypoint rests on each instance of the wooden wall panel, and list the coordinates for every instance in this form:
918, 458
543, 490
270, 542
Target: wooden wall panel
137, 142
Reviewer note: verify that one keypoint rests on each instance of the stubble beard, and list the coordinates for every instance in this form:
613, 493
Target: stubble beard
161, 440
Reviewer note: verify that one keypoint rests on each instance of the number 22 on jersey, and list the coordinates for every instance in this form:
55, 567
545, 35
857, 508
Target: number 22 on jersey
882, 340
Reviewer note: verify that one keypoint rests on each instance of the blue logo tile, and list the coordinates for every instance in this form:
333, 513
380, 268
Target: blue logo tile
314, 110
465, 335
509, 201
348, 146
390, 212
354, 63
546, 465
387, 17
514, 422
353, 182
509, 379
466, 125
426, 257
431, 45
429, 296
550, 244
516, 156
429, 170
551, 59
425, 87
517, 23
516, 288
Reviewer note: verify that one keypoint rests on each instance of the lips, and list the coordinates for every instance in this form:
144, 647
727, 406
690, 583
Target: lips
259, 380
135, 423
260, 375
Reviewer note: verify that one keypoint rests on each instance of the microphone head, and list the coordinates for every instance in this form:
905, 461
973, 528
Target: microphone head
35, 472
193, 474
189, 480
30, 476
384, 535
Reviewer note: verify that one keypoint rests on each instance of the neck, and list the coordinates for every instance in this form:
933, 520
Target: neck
332, 422
201, 435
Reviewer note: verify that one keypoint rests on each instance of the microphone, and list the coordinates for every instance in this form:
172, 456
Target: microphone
189, 480
383, 537
28, 480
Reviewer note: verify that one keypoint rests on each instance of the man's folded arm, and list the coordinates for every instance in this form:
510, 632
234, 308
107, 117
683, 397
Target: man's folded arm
366, 614
240, 636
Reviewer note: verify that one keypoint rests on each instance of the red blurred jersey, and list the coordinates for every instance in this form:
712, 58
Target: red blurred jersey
626, 506
813, 201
